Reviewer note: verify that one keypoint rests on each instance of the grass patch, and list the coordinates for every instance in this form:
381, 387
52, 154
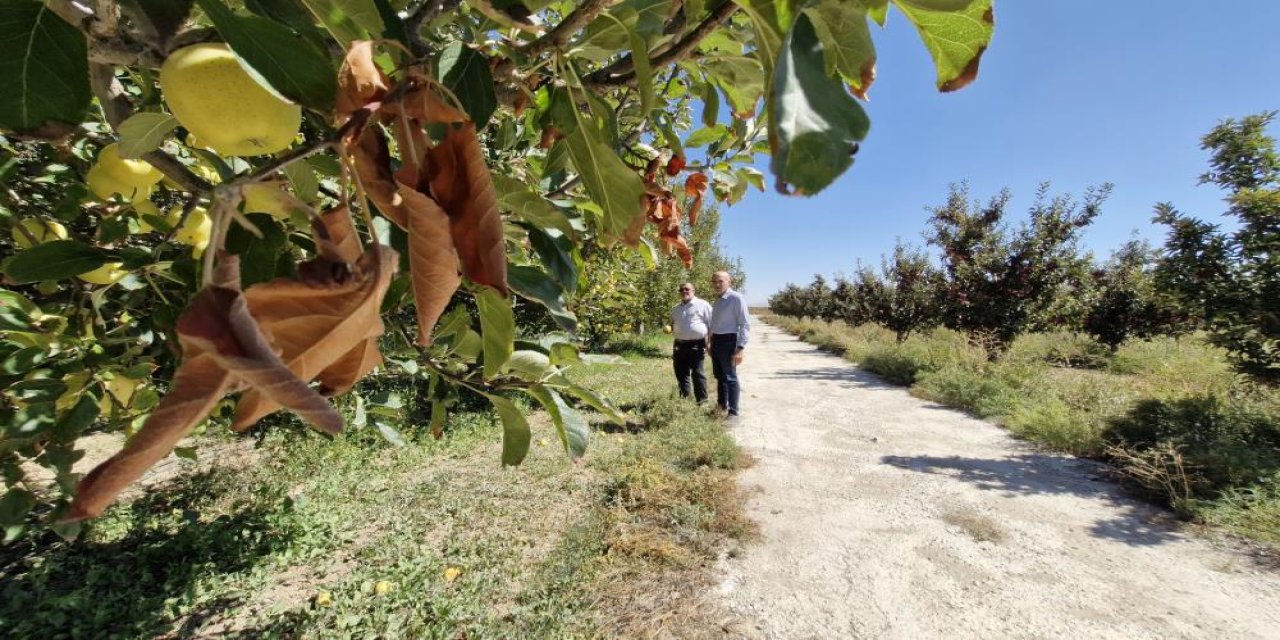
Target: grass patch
352, 537
1169, 413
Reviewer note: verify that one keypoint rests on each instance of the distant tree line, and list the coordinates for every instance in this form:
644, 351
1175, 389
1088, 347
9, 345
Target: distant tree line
994, 282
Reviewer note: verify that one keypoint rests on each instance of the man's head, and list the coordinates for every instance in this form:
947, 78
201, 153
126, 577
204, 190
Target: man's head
720, 281
686, 291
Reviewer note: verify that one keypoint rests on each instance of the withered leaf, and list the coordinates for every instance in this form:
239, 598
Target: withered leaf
433, 260
695, 187
317, 322
421, 101
461, 184
224, 350
372, 160
360, 81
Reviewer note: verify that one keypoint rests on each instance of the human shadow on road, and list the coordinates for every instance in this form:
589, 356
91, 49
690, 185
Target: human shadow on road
1134, 524
852, 377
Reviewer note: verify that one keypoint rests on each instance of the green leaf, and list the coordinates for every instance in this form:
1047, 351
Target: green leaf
393, 26
55, 261
564, 353
742, 79
144, 132
466, 73
597, 402
44, 69
610, 182
15, 505
528, 364
347, 20
710, 104
515, 431
878, 10
955, 38
258, 256
706, 135
515, 196
814, 120
77, 419
534, 284
570, 425
304, 181
846, 40
608, 33
556, 252
289, 63
498, 329
770, 19
644, 70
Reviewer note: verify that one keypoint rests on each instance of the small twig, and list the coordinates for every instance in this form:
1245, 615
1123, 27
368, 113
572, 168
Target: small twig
426, 12
559, 35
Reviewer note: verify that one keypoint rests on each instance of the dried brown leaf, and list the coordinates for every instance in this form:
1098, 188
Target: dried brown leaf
433, 260
372, 160
461, 184
315, 324
360, 81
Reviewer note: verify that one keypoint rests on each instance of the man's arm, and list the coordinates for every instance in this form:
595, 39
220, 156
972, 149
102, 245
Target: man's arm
744, 327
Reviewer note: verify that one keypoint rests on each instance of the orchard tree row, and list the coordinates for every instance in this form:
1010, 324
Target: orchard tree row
222, 209
994, 283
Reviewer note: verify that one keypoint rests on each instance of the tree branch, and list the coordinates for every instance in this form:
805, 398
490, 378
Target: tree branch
559, 35
426, 12
623, 71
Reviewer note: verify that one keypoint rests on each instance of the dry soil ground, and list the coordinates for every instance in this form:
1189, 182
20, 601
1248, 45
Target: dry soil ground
886, 516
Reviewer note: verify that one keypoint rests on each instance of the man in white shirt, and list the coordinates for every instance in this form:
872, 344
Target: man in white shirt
729, 329
690, 321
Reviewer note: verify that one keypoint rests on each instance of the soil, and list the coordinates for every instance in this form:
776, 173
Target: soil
886, 516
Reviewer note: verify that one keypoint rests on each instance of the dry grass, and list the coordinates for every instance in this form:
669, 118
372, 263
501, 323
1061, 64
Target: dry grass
978, 526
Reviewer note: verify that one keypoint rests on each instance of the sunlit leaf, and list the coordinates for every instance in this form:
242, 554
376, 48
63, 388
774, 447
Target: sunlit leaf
44, 70
498, 328
955, 38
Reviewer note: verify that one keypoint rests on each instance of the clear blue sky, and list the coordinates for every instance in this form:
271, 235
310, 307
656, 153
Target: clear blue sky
1075, 92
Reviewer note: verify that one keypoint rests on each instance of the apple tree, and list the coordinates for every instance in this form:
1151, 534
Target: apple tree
221, 209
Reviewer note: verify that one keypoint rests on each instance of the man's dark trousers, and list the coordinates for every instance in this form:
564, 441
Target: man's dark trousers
688, 358
723, 346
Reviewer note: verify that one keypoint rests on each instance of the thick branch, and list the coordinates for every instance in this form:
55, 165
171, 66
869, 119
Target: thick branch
623, 71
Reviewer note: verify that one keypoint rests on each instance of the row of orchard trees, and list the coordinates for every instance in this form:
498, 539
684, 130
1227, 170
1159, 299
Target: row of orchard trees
994, 283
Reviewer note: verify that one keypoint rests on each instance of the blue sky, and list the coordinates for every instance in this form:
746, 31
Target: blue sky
1075, 92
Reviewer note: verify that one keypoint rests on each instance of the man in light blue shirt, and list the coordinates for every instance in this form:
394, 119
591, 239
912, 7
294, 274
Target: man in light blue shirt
729, 332
690, 321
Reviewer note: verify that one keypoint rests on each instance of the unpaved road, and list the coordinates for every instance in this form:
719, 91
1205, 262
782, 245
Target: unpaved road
887, 516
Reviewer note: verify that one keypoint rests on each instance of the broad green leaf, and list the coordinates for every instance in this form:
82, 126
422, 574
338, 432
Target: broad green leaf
259, 256
770, 20
286, 12
534, 284
304, 181
814, 120
608, 33
347, 20
54, 261
44, 69
710, 104
498, 329
144, 132
706, 135
515, 196
644, 70
846, 40
570, 425
742, 79
556, 252
15, 505
597, 402
528, 364
77, 419
612, 184
564, 353
955, 39
938, 5
466, 74
288, 62
515, 430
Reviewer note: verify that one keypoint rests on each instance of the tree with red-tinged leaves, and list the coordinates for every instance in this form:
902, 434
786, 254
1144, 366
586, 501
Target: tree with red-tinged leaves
1125, 301
1231, 281
906, 295
999, 281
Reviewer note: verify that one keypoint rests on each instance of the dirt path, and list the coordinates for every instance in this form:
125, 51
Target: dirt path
887, 516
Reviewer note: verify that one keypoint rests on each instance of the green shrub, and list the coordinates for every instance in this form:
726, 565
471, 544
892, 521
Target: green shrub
1226, 442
